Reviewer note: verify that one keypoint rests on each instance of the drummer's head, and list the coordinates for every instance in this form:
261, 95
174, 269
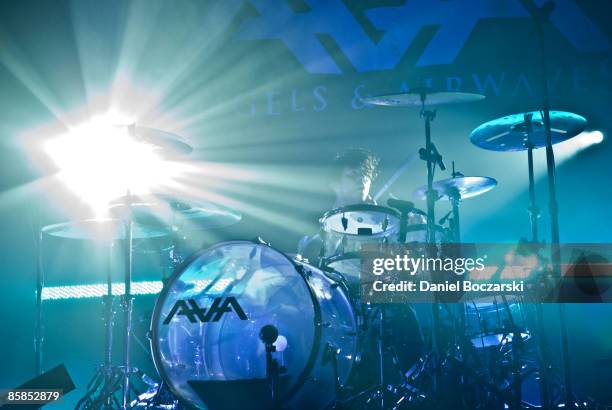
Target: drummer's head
354, 171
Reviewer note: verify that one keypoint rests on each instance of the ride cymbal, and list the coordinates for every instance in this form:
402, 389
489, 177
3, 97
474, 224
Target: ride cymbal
516, 132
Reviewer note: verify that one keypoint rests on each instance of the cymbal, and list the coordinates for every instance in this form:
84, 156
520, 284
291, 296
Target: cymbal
166, 142
467, 187
177, 213
103, 229
413, 98
512, 132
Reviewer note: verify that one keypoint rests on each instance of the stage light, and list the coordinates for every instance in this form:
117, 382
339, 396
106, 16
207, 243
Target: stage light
592, 137
118, 289
100, 161
573, 146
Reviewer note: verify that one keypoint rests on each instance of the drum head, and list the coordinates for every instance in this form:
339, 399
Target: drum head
361, 219
206, 323
487, 320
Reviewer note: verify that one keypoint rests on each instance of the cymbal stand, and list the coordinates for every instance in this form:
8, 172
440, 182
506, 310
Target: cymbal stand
127, 303
553, 209
455, 198
100, 392
109, 317
534, 215
517, 351
540, 16
432, 157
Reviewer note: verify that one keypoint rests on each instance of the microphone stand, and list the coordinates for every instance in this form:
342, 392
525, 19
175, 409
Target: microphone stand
268, 335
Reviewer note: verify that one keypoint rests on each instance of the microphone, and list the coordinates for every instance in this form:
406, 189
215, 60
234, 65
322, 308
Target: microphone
268, 334
400, 205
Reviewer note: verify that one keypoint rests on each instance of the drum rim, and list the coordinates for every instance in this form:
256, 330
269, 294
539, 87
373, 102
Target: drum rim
423, 227
317, 337
342, 256
356, 207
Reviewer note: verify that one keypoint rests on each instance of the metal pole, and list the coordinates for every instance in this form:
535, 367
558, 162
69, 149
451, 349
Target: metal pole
127, 304
432, 197
109, 321
533, 218
38, 331
552, 203
533, 210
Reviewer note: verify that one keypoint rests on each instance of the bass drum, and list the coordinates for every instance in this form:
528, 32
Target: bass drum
207, 321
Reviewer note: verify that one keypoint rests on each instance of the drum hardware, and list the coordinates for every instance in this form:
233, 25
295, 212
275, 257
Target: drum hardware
529, 131
165, 143
166, 211
330, 355
405, 208
540, 16
157, 398
108, 379
517, 351
104, 383
424, 98
268, 335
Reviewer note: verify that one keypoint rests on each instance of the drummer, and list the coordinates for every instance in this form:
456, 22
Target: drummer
353, 172
352, 176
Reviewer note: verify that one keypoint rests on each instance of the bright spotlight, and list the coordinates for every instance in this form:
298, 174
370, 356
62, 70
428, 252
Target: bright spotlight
592, 137
567, 149
100, 161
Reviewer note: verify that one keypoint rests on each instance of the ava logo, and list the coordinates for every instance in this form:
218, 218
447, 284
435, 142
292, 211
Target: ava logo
195, 313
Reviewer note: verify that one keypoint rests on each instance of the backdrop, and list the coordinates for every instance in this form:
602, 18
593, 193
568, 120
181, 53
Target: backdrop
267, 92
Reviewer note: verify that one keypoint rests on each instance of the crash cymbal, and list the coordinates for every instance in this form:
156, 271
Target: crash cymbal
167, 143
467, 187
512, 132
176, 212
414, 97
103, 229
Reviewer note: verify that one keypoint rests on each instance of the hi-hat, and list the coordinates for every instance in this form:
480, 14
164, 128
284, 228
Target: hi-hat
417, 96
103, 229
465, 187
516, 132
167, 143
178, 213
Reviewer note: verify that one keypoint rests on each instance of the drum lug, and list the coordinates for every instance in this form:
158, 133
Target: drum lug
303, 271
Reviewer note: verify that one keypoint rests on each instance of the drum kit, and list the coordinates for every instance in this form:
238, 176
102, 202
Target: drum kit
243, 325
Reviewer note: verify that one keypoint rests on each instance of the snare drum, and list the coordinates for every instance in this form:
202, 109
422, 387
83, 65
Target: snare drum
347, 229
